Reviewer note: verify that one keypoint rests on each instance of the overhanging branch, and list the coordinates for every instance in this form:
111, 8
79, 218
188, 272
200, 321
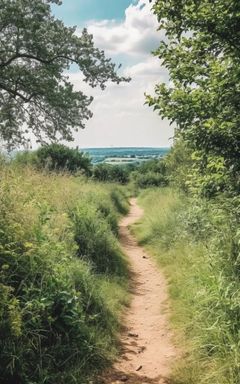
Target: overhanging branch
36, 58
15, 93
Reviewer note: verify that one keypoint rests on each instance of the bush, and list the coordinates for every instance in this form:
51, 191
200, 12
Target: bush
150, 179
151, 173
154, 165
56, 157
101, 172
111, 173
179, 165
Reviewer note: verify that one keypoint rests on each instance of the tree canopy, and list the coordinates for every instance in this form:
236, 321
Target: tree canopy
37, 50
202, 53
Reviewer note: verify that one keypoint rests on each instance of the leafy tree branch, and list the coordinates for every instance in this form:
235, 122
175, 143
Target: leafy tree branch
36, 51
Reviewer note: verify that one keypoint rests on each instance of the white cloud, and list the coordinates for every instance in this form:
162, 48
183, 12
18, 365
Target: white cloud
151, 67
136, 35
120, 116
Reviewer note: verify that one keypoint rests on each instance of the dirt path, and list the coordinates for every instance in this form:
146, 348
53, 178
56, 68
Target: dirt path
147, 348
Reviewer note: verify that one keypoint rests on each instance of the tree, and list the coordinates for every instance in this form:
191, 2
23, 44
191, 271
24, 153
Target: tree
202, 54
35, 93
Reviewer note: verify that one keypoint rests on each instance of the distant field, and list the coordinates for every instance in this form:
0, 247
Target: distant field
124, 155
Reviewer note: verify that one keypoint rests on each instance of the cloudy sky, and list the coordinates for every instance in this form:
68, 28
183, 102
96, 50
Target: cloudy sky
127, 31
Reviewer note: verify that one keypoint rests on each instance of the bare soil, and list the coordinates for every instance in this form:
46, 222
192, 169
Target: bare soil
147, 347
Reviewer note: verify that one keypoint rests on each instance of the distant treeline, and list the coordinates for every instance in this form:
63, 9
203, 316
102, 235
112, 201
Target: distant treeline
59, 158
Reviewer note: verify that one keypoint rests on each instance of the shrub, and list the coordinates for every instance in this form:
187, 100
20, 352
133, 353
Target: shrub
179, 165
111, 173
154, 165
150, 179
119, 174
101, 172
56, 157
150, 173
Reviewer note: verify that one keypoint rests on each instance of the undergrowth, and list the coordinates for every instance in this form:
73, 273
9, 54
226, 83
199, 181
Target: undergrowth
197, 243
62, 276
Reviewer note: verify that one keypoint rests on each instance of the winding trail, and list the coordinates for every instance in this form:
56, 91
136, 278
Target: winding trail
147, 346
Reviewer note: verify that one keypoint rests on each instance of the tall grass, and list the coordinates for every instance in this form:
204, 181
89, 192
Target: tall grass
62, 277
197, 244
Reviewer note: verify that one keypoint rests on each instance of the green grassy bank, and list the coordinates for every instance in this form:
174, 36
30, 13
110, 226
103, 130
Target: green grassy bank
63, 276
197, 244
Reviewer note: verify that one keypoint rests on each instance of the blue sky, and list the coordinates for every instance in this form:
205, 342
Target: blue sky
127, 32
76, 12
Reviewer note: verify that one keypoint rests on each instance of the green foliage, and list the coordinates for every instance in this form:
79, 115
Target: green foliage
196, 238
150, 173
202, 56
36, 51
95, 241
55, 157
195, 173
150, 179
153, 165
3, 159
58, 157
25, 158
111, 173
178, 165
119, 199
197, 243
58, 318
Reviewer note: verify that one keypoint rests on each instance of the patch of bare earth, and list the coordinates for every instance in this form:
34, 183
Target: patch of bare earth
147, 347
